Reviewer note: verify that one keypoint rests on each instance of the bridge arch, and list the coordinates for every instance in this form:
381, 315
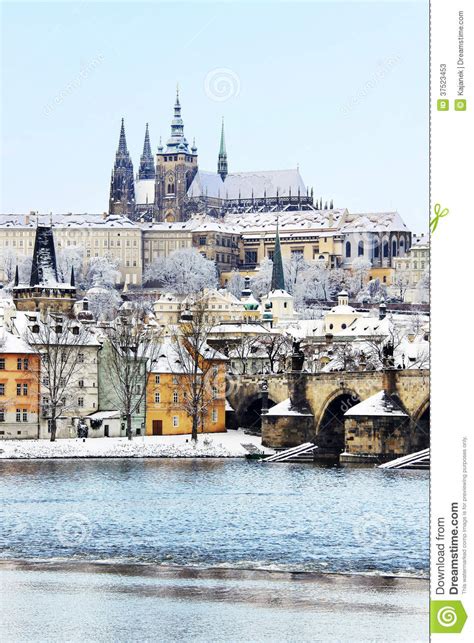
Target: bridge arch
330, 436
250, 416
420, 433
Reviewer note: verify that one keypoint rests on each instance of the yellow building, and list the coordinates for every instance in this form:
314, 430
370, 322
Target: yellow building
168, 386
19, 388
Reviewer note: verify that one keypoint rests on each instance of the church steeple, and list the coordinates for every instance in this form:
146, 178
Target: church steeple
222, 160
147, 164
122, 185
278, 275
122, 146
177, 141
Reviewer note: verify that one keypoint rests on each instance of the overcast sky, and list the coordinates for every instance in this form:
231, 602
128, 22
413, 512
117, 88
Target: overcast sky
339, 88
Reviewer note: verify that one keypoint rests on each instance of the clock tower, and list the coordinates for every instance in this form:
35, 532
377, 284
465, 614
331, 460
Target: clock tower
176, 166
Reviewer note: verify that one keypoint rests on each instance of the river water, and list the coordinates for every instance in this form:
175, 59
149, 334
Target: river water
286, 547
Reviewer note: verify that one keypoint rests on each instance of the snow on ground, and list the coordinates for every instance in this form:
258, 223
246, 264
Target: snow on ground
209, 445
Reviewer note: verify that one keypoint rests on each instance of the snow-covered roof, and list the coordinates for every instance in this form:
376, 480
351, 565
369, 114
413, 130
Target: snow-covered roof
285, 408
145, 191
104, 415
373, 222
244, 185
290, 223
66, 221
380, 404
342, 309
168, 360
10, 344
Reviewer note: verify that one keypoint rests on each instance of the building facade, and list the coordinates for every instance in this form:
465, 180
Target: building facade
19, 388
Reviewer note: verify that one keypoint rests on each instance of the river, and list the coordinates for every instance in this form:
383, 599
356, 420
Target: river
283, 548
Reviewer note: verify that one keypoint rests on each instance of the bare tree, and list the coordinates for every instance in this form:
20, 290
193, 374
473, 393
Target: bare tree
130, 347
59, 340
276, 347
401, 283
198, 363
241, 350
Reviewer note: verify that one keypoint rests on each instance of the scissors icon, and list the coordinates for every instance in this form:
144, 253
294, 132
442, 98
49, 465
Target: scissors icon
439, 214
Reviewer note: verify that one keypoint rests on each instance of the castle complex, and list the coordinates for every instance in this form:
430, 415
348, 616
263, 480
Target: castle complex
171, 187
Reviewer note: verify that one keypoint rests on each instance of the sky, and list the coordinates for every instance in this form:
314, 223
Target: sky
340, 89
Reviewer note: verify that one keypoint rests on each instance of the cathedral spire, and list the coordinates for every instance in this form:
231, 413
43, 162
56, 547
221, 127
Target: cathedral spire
177, 141
147, 165
122, 147
278, 275
122, 184
222, 160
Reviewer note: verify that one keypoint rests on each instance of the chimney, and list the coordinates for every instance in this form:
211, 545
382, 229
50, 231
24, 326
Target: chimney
27, 219
382, 310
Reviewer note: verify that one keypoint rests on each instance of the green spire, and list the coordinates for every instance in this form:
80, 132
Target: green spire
222, 161
278, 276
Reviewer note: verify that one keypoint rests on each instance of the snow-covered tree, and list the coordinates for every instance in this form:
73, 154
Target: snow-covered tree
101, 271
68, 258
314, 284
9, 261
261, 283
423, 288
360, 269
373, 292
400, 283
184, 272
104, 303
293, 270
235, 285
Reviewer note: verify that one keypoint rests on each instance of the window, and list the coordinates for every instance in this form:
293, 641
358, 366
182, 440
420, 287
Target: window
157, 398
18, 415
376, 248
394, 248
18, 389
2, 414
214, 415
19, 364
175, 421
250, 256
170, 188
360, 249
157, 379
2, 363
80, 402
25, 364
80, 358
175, 397
25, 389
202, 241
81, 383
2, 389
343, 326
348, 249
25, 415
50, 424
297, 252
385, 249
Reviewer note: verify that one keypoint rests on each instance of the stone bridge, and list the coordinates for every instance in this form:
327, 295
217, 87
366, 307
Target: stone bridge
329, 396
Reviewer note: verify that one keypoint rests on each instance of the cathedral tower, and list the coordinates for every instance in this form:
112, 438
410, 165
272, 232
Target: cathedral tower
147, 163
222, 160
122, 186
176, 166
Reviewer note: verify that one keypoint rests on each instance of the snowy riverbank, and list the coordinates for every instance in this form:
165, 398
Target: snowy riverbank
209, 445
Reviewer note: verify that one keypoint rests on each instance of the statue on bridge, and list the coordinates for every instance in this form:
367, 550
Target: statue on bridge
297, 356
